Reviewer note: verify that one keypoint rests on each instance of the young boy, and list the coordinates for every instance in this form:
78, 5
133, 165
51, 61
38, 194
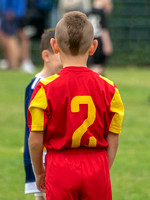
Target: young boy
77, 115
52, 65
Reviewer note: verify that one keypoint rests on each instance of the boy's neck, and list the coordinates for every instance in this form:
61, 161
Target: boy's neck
78, 61
45, 73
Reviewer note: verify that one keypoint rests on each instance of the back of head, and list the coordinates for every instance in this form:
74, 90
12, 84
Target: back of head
74, 33
45, 40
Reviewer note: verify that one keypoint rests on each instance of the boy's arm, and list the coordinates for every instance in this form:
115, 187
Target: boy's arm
36, 153
113, 141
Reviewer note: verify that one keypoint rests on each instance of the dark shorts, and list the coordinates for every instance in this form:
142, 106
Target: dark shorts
10, 27
77, 174
98, 57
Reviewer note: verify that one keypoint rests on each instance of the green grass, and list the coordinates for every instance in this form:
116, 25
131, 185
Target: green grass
130, 173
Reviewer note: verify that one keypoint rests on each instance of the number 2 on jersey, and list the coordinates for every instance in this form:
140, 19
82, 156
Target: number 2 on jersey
81, 130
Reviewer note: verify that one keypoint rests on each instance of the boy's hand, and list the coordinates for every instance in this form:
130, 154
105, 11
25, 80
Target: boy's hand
36, 153
40, 181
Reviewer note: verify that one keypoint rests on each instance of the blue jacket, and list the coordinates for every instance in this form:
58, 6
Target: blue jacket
18, 7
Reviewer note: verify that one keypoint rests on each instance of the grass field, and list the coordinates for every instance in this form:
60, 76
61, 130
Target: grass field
130, 173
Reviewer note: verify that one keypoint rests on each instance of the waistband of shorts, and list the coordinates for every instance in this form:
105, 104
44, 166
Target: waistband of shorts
81, 150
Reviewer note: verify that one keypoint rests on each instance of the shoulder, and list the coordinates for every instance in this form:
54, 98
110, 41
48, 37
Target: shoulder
107, 81
108, 85
50, 79
34, 82
31, 86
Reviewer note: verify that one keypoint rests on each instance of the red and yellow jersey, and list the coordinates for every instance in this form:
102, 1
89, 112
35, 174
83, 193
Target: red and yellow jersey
75, 108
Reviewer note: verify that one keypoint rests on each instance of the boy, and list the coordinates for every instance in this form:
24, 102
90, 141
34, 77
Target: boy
52, 65
77, 114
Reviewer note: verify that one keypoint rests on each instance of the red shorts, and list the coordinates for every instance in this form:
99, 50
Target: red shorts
77, 174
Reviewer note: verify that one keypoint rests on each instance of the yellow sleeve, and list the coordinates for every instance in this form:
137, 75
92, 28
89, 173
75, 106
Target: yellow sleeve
118, 109
36, 109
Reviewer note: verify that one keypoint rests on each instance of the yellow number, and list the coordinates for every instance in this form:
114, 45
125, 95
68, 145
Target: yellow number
79, 132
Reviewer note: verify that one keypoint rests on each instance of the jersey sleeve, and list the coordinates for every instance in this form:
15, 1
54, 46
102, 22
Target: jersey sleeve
37, 117
117, 108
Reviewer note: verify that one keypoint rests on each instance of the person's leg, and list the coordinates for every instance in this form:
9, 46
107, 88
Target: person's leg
26, 62
24, 42
10, 42
3, 61
2, 38
44, 195
39, 196
12, 52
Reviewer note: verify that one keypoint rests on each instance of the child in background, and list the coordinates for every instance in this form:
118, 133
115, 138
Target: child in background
52, 65
77, 115
97, 16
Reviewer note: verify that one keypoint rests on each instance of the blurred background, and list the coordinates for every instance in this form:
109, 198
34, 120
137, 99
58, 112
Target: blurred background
129, 25
128, 22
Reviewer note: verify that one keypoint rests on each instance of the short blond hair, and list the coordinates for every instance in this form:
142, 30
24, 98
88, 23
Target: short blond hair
74, 33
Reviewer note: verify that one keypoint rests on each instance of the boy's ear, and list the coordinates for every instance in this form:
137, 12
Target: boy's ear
45, 55
93, 47
54, 45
